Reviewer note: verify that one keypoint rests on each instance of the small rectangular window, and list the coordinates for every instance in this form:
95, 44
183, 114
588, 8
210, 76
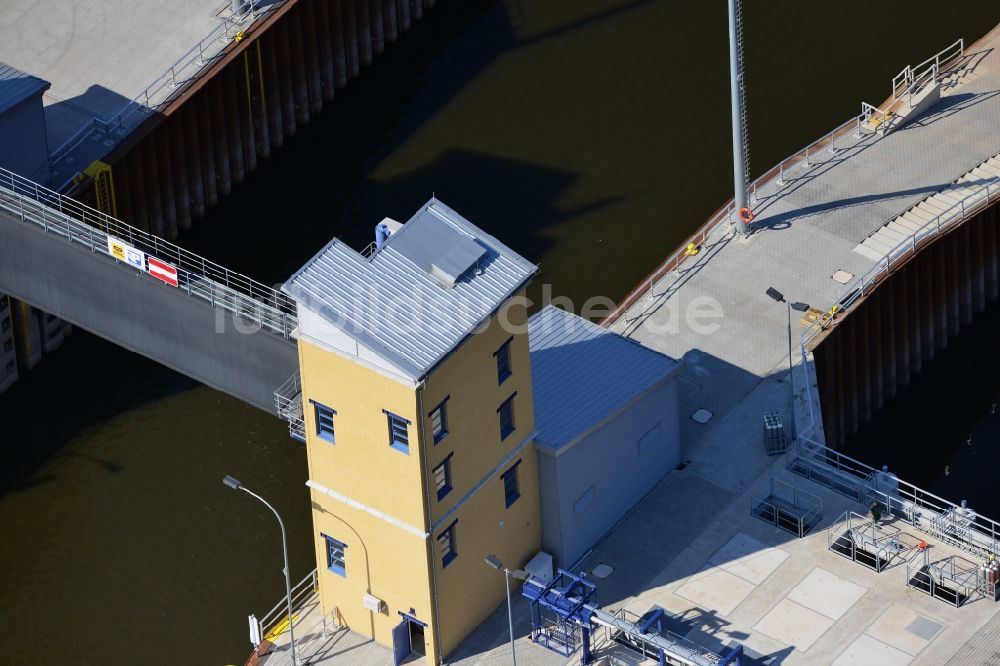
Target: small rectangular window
649, 438
446, 541
503, 361
584, 501
442, 477
8, 346
399, 436
506, 412
335, 556
5, 325
511, 489
324, 421
439, 421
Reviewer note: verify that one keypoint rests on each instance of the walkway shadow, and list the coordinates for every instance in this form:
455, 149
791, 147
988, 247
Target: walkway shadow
783, 220
949, 106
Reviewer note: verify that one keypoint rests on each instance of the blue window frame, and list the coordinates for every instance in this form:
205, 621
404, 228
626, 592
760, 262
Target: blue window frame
324, 421
511, 488
506, 412
446, 541
439, 421
503, 361
399, 436
335, 555
442, 477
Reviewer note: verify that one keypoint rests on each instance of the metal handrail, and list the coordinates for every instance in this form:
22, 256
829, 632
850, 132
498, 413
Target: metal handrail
970, 204
172, 80
938, 61
288, 403
301, 591
775, 173
55, 213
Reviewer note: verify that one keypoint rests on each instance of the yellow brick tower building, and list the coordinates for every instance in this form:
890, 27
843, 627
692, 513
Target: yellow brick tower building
419, 427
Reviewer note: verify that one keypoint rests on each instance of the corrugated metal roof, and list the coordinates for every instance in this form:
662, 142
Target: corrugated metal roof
582, 373
397, 304
16, 86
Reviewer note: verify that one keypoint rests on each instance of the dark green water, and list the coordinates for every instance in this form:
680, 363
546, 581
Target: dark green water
592, 136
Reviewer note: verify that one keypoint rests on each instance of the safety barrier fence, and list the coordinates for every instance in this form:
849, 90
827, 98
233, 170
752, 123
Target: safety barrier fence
682, 651
952, 579
861, 540
833, 142
169, 84
789, 508
245, 298
276, 620
903, 82
288, 402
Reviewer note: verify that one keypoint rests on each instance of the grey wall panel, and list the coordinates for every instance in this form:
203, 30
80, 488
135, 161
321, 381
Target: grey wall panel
608, 459
548, 486
142, 314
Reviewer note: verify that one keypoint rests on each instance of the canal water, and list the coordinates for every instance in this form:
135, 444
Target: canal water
591, 135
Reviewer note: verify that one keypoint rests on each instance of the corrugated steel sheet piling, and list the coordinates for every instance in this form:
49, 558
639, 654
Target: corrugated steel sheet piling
884, 341
269, 81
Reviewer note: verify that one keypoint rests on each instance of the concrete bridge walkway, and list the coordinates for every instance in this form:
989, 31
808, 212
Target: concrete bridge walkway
204, 321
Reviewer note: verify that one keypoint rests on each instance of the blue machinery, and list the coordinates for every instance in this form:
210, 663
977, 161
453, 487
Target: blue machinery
565, 614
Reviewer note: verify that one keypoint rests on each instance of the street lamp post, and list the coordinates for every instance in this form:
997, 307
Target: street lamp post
789, 306
236, 485
494, 563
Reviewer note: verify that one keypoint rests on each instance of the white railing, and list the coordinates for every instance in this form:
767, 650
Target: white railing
169, 84
250, 300
301, 592
725, 215
903, 82
288, 402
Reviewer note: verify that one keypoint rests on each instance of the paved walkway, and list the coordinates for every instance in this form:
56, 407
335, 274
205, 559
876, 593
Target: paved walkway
319, 644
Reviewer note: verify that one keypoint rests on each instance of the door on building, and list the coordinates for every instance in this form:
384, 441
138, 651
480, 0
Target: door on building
401, 642
408, 639
417, 638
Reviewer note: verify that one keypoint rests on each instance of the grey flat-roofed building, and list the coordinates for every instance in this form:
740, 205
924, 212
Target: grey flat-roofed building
607, 421
406, 306
24, 147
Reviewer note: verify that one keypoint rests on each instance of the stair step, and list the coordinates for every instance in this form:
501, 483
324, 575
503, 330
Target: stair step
910, 222
948, 198
890, 236
878, 245
992, 168
963, 190
980, 174
865, 251
900, 229
936, 207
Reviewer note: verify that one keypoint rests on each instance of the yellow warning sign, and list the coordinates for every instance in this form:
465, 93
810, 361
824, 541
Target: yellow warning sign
117, 249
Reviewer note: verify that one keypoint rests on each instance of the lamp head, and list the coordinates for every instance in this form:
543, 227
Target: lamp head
232, 483
775, 294
493, 562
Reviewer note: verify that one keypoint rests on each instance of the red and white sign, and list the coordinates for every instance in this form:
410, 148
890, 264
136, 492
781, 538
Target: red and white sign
162, 270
